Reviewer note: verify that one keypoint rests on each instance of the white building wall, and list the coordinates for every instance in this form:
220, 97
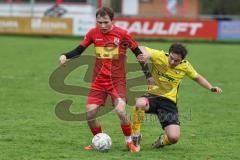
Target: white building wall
130, 7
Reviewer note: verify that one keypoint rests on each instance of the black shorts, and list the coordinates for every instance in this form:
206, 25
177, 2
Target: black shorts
165, 109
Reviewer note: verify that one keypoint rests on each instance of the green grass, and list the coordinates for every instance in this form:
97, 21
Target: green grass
29, 128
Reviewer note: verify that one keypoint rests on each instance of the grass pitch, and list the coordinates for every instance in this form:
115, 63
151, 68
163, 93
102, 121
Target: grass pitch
29, 128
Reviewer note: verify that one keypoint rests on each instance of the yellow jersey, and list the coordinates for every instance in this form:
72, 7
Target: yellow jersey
168, 79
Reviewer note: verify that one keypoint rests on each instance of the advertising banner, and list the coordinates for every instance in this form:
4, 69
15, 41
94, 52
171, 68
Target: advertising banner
13, 25
229, 30
161, 28
40, 26
82, 24
51, 26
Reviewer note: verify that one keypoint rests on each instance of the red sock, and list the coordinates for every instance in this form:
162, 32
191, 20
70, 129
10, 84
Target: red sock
126, 128
96, 130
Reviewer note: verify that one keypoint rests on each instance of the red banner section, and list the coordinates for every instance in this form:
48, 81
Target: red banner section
165, 28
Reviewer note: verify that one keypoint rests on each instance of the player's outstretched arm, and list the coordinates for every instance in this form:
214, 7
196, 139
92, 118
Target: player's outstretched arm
204, 83
145, 54
143, 62
72, 54
145, 57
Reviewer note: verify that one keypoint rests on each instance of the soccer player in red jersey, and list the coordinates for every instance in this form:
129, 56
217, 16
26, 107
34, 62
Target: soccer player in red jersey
109, 77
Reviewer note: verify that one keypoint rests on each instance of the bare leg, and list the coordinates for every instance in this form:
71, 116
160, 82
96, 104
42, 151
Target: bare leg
93, 124
121, 111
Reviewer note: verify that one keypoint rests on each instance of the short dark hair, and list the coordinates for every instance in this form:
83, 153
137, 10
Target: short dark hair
178, 48
105, 11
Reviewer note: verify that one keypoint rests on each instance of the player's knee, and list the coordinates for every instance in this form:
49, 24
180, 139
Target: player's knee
120, 108
120, 111
119, 102
141, 103
173, 137
120, 105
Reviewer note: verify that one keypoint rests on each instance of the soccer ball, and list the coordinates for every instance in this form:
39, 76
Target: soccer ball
102, 142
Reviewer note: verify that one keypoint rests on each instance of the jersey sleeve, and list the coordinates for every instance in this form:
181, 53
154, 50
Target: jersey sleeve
87, 39
154, 54
131, 42
190, 71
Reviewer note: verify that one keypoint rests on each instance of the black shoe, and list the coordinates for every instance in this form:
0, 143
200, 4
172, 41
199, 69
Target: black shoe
158, 143
136, 140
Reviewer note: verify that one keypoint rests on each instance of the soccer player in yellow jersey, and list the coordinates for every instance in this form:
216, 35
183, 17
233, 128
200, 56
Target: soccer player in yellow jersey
168, 70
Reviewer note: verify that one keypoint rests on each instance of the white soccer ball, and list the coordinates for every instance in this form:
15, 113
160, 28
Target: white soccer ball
102, 142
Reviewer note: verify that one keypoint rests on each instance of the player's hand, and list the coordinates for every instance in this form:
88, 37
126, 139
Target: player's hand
216, 90
141, 58
151, 81
151, 84
62, 59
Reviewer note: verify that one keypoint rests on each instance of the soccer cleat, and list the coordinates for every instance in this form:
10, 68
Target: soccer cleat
89, 147
132, 148
159, 142
136, 141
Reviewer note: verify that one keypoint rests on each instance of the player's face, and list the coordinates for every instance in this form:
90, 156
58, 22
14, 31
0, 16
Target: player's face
174, 59
104, 23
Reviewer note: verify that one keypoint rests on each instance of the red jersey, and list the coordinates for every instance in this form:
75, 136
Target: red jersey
110, 50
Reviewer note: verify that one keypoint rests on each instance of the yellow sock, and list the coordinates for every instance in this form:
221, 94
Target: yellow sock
138, 116
165, 140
